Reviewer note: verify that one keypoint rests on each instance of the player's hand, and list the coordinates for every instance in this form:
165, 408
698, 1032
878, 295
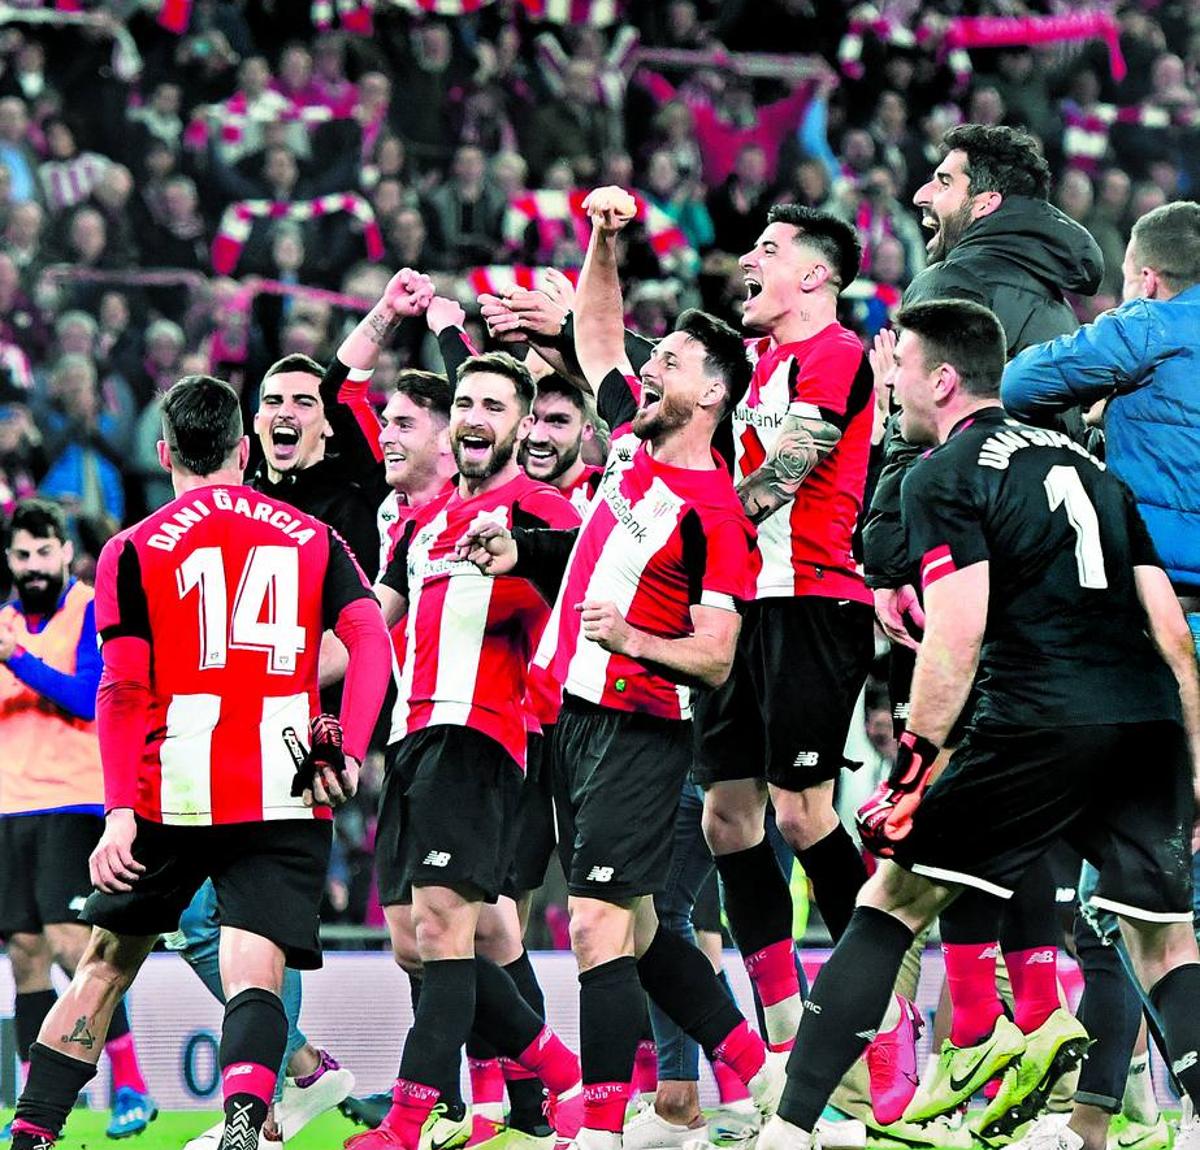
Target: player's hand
559, 288
489, 545
883, 362
111, 865
443, 313
604, 624
610, 208
535, 311
503, 323
886, 817
318, 768
895, 608
408, 293
332, 786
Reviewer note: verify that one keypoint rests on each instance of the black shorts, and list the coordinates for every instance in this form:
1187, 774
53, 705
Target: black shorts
446, 815
269, 878
786, 708
1120, 794
534, 838
902, 662
618, 775
44, 869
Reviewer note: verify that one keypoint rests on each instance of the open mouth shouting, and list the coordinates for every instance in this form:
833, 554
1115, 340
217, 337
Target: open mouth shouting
473, 448
753, 287
285, 442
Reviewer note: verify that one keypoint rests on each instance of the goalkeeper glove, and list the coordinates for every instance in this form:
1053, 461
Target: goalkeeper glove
886, 817
325, 750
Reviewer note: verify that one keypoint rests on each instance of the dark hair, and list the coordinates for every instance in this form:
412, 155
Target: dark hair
426, 389
297, 361
1167, 239
202, 423
835, 239
725, 352
1000, 159
965, 335
42, 518
501, 363
554, 384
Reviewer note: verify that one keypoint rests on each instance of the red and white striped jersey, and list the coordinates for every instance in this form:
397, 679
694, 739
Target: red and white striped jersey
655, 541
807, 545
469, 637
232, 590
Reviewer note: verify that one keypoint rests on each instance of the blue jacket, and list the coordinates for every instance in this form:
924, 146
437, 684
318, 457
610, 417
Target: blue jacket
1146, 356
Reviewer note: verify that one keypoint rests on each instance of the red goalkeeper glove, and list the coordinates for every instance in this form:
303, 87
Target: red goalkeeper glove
325, 750
886, 817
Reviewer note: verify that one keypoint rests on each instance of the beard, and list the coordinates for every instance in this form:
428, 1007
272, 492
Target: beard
495, 460
671, 415
560, 463
43, 599
950, 231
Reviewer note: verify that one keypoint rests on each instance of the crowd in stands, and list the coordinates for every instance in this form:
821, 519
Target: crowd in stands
174, 180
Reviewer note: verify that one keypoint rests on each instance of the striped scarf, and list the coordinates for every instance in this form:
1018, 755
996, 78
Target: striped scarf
556, 214
493, 279
238, 220
1085, 130
596, 13
66, 183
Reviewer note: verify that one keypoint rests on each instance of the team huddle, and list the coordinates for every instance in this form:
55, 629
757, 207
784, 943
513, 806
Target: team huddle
647, 663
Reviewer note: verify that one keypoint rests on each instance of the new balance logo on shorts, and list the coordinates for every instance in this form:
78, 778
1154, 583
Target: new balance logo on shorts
807, 759
436, 858
600, 874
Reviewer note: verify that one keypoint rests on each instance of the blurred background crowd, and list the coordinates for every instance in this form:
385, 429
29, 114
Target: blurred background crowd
206, 185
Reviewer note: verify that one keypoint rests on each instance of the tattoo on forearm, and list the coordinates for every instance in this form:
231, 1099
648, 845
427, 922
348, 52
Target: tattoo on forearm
81, 1034
801, 445
379, 328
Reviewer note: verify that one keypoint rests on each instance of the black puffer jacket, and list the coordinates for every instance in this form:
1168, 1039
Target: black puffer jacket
1018, 261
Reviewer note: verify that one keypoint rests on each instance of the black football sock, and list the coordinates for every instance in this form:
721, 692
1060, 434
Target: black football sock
1110, 1011
450, 1090
525, 1093
119, 1027
253, 1039
502, 1016
414, 992
972, 918
842, 1012
612, 1010
758, 902
836, 871
1029, 920
681, 981
29, 1012
55, 1080
433, 1050
1176, 998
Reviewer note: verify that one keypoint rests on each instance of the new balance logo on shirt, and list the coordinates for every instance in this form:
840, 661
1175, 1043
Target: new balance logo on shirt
1185, 1063
436, 858
600, 874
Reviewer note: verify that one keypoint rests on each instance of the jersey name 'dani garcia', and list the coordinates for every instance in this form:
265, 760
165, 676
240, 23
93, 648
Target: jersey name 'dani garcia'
232, 591
1065, 642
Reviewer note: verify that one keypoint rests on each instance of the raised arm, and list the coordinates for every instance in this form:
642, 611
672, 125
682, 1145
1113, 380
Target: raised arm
599, 312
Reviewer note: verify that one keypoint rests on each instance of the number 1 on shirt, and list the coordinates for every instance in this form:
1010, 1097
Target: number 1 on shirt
270, 578
1064, 487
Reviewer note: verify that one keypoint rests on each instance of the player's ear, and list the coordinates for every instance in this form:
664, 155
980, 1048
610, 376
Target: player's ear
984, 204
164, 455
816, 277
525, 426
243, 453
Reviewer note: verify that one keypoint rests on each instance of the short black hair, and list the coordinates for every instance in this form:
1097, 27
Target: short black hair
555, 384
964, 334
835, 239
297, 361
1000, 159
1167, 239
42, 518
426, 389
202, 423
724, 352
501, 363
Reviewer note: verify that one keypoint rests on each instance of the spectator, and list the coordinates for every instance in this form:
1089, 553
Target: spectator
333, 90
23, 240
682, 201
69, 175
294, 81
21, 322
576, 128
16, 153
22, 454
164, 345
159, 118
739, 206
467, 212
177, 237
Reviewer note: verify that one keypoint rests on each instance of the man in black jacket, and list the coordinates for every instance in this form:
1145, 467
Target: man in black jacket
996, 241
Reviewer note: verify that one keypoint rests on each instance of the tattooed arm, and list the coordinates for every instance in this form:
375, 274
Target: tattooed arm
803, 442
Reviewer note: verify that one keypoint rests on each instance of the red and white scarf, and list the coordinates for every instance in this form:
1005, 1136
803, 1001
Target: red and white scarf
555, 212
597, 13
495, 277
238, 220
354, 16
1085, 130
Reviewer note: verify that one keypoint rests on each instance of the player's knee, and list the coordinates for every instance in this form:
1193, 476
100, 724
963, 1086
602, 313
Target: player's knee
107, 964
68, 943
805, 817
443, 933
30, 958
730, 823
600, 931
